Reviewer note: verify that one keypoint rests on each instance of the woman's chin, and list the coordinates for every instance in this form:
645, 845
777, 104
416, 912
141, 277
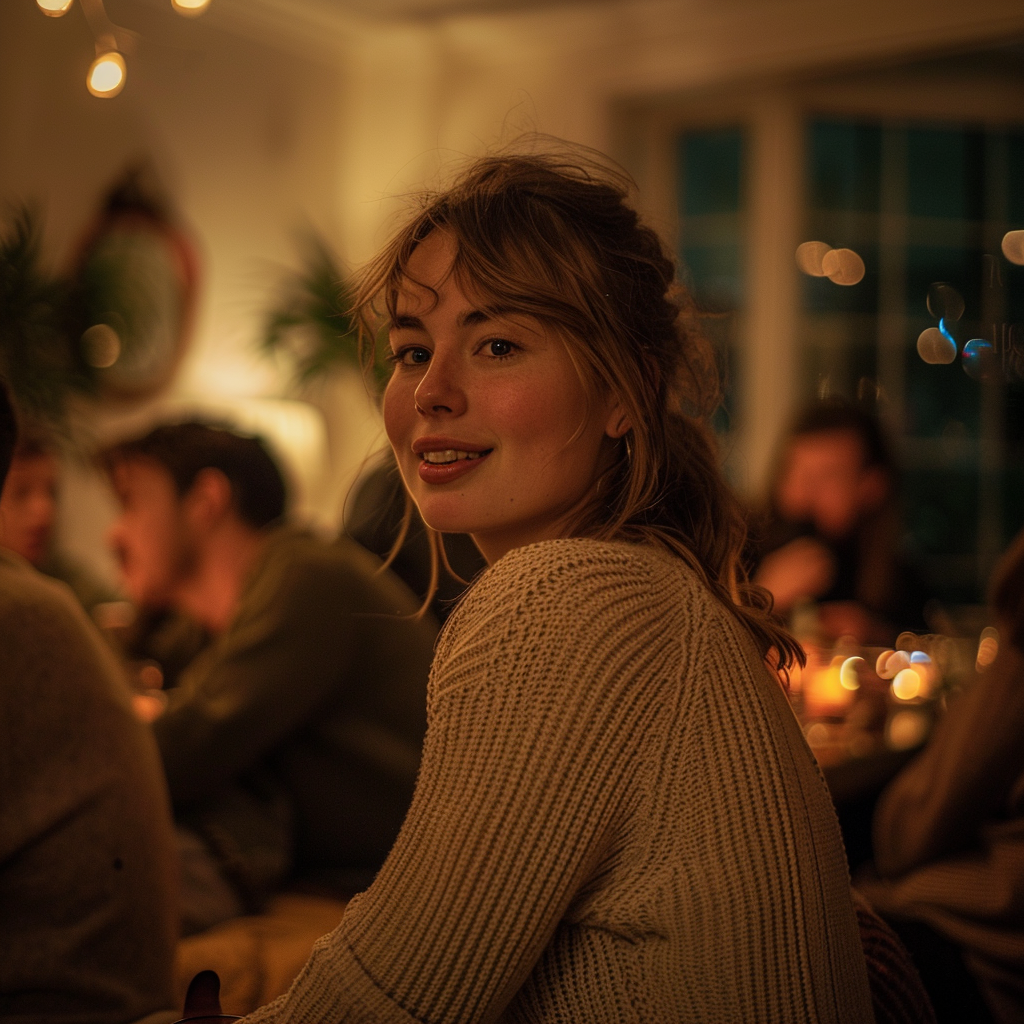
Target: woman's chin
445, 520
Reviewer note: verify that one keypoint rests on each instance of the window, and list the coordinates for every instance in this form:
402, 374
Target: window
920, 170
711, 204
926, 207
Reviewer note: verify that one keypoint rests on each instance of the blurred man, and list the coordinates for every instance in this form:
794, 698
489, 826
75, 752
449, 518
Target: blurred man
28, 518
87, 859
831, 535
292, 743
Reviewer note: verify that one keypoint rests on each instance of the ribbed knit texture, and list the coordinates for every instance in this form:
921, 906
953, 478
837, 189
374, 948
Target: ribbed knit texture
616, 820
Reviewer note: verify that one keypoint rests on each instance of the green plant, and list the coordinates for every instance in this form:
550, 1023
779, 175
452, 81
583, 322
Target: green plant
313, 320
39, 354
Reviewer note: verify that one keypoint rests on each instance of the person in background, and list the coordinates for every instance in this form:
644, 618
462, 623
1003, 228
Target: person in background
88, 908
949, 835
28, 518
831, 533
291, 744
617, 817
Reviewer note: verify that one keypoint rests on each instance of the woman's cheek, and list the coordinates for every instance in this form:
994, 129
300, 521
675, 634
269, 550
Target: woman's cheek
399, 410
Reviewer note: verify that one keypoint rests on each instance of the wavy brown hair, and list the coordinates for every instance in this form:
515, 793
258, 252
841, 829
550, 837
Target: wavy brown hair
553, 236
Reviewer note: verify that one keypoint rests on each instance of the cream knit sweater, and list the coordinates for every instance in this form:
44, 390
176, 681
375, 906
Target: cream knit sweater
616, 820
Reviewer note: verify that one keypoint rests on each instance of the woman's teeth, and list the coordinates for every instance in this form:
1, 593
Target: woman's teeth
449, 455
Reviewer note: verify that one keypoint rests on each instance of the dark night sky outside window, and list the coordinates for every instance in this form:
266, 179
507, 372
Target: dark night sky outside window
710, 202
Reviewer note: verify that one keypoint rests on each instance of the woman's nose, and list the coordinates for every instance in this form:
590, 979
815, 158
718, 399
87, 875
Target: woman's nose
441, 389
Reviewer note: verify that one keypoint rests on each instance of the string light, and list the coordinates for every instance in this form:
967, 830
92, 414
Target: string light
107, 75
54, 8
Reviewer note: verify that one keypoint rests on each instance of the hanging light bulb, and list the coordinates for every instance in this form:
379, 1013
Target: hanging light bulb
190, 8
54, 8
106, 75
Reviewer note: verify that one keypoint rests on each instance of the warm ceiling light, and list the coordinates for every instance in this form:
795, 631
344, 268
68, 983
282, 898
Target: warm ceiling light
107, 74
54, 8
190, 8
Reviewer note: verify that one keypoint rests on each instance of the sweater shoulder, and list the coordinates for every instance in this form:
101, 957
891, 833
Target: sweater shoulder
576, 594
577, 577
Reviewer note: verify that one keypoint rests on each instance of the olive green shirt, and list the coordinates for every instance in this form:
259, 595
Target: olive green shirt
295, 737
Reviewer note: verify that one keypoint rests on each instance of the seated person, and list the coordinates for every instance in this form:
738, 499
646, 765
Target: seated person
87, 857
831, 532
291, 744
949, 835
28, 517
617, 817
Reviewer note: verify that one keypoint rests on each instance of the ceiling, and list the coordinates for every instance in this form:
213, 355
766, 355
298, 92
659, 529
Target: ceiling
429, 9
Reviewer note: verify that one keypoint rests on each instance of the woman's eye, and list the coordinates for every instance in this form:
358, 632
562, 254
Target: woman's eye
413, 356
500, 347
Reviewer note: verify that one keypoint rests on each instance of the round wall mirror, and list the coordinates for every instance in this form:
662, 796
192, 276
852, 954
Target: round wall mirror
136, 273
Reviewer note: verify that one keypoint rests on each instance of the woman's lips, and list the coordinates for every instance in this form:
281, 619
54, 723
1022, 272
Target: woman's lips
446, 472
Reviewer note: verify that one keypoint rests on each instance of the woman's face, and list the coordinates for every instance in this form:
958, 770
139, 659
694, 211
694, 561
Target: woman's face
488, 419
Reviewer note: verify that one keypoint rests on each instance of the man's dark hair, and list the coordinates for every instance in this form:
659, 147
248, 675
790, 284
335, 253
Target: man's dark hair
185, 449
834, 415
8, 432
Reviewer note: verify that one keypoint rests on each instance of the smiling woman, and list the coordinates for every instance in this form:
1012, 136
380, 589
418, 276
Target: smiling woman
616, 817
492, 427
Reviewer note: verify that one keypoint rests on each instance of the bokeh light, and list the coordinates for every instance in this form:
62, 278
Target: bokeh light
891, 663
944, 302
935, 347
979, 359
849, 673
907, 684
106, 75
843, 266
1013, 247
101, 346
54, 8
190, 8
809, 256
988, 647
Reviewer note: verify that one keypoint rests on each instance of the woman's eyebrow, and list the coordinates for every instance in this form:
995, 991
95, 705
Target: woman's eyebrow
405, 322
473, 317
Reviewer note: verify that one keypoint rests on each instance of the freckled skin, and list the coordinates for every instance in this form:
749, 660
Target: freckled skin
504, 383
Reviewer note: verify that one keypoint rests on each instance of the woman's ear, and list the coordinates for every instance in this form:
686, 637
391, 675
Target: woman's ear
618, 422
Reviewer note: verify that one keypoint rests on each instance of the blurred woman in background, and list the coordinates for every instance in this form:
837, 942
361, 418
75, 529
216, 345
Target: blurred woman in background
616, 818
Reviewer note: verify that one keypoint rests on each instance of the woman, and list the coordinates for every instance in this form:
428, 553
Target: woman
616, 817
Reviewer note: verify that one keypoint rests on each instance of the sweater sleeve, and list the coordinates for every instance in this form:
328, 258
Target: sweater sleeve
525, 775
283, 655
938, 804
